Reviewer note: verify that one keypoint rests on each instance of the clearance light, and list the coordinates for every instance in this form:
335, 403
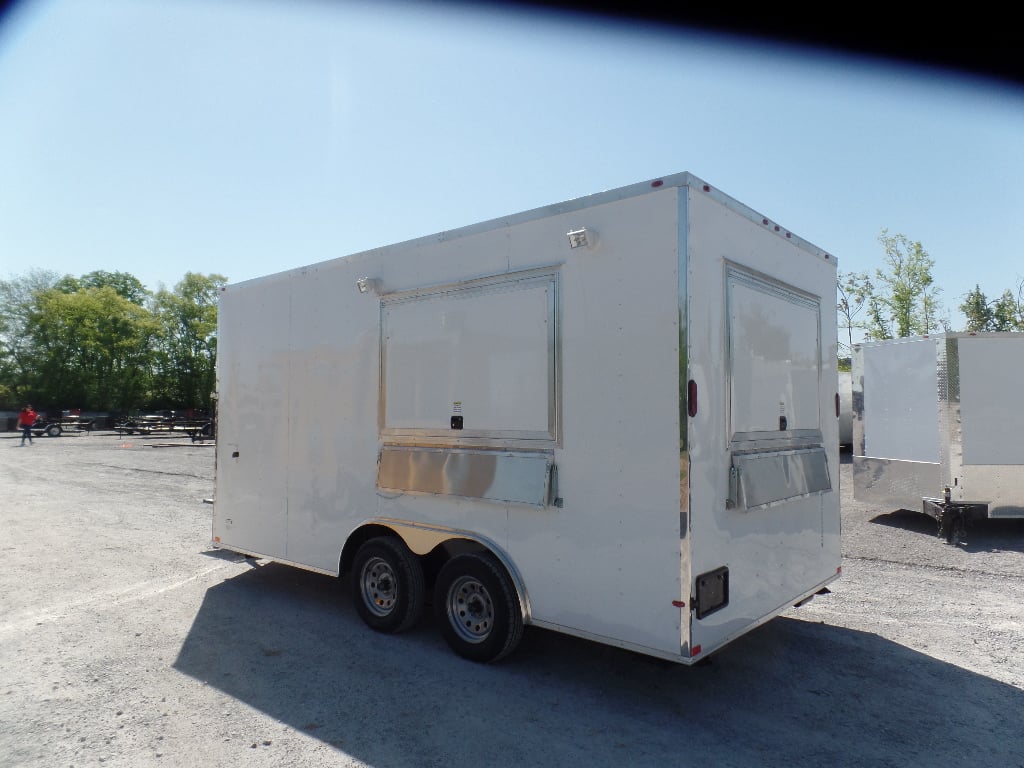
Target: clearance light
695, 651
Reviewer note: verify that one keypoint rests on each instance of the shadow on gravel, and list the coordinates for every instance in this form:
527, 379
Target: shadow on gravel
791, 693
915, 522
990, 535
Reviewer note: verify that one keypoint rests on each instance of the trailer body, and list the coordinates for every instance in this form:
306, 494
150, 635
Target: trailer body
616, 415
940, 412
846, 409
64, 425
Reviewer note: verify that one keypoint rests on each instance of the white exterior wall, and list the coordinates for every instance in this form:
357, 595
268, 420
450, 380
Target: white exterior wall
901, 412
255, 359
300, 382
613, 550
991, 379
775, 552
618, 473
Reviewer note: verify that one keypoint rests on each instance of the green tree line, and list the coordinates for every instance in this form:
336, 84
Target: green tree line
104, 342
900, 299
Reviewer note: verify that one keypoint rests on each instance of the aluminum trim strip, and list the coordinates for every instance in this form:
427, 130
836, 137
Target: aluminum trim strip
893, 483
513, 478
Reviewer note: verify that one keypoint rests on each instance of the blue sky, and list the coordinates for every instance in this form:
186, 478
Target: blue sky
245, 137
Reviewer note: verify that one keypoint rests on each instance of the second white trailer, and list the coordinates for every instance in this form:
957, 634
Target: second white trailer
937, 425
614, 417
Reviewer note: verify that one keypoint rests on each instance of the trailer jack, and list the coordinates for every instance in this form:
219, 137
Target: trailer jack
953, 516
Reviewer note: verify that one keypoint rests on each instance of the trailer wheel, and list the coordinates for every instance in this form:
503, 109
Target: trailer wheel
477, 607
53, 430
388, 585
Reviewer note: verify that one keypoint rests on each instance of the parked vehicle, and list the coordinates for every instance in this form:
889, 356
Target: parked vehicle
195, 425
614, 417
68, 421
937, 425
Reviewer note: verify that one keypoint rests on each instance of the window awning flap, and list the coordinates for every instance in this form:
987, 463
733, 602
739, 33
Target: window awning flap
765, 478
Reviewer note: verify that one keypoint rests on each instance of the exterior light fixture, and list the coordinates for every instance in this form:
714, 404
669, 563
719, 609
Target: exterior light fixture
368, 285
582, 238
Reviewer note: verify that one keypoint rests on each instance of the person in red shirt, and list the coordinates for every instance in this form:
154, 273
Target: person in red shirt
26, 418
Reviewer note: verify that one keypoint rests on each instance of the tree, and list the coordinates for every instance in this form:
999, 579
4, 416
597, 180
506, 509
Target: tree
903, 301
126, 286
187, 348
853, 289
977, 310
1003, 314
92, 348
17, 301
1009, 309
102, 341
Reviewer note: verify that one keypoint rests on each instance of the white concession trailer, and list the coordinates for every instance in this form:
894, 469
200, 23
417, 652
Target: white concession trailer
613, 417
937, 425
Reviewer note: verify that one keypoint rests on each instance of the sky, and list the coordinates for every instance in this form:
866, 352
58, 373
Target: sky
248, 137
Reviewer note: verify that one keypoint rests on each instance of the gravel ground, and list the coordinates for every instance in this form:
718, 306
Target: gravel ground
126, 641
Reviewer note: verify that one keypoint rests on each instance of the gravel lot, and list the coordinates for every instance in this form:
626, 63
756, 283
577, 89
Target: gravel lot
125, 640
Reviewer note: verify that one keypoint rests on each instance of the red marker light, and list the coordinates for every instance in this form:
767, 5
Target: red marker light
691, 398
679, 603
695, 651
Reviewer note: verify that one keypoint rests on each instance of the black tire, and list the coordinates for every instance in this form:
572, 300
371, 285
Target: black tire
388, 585
477, 607
53, 430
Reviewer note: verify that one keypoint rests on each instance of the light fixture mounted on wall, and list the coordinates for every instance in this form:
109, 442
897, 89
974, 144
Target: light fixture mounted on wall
368, 285
582, 238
